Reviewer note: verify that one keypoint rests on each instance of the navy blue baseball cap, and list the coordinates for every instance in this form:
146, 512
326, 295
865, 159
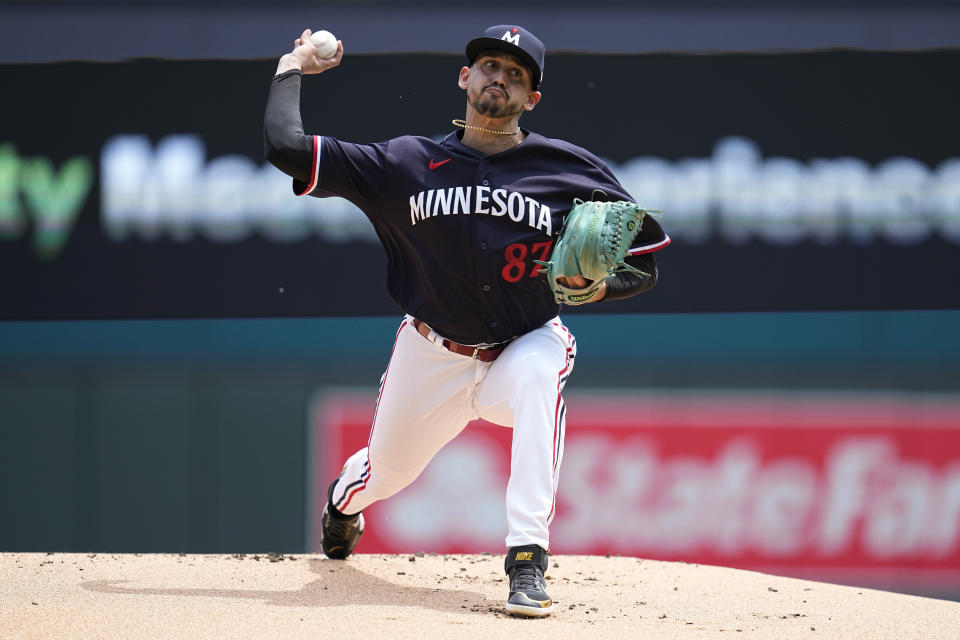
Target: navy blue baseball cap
512, 39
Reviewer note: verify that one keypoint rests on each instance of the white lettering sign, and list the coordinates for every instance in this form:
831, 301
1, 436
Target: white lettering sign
173, 190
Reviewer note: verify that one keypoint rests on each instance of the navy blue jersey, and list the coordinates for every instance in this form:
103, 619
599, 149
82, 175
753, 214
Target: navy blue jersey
462, 230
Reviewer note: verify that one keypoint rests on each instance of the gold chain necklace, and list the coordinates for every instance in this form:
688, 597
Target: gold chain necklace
463, 125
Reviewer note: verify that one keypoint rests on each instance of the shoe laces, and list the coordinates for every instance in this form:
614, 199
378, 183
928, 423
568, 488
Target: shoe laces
342, 528
527, 577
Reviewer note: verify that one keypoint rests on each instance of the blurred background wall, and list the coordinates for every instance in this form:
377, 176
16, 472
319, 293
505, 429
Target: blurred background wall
166, 324
118, 30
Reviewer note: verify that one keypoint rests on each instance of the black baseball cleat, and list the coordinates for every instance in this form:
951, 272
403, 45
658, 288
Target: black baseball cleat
528, 589
339, 533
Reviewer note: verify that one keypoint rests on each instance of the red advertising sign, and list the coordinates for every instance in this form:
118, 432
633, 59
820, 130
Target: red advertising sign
816, 485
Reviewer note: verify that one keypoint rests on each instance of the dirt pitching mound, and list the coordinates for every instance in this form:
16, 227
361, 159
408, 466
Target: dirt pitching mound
434, 596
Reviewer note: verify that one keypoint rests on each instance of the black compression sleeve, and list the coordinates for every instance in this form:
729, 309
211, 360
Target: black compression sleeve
626, 284
284, 143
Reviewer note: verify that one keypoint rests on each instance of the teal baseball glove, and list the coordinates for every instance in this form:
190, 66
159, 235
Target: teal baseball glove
593, 243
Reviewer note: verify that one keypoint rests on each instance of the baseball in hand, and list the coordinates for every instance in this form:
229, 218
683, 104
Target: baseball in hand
326, 44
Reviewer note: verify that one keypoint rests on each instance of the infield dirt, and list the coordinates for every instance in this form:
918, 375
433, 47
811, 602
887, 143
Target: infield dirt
120, 596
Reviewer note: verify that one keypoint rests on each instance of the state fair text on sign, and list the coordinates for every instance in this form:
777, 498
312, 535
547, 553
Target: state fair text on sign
808, 485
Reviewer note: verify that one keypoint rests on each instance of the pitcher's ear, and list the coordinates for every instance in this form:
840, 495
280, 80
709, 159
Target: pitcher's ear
532, 100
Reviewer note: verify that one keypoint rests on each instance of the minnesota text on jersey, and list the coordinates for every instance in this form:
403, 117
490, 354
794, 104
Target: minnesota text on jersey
482, 200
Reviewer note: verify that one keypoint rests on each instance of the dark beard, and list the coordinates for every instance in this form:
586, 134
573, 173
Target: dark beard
492, 108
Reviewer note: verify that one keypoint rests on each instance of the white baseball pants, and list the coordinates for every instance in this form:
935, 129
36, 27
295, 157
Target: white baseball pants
429, 394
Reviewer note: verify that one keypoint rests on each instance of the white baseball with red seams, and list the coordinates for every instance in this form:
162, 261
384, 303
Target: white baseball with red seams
325, 42
429, 394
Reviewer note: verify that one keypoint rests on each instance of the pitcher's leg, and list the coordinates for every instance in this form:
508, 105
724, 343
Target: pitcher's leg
425, 400
523, 389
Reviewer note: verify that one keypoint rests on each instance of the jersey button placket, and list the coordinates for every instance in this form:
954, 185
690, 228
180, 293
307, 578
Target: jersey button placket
485, 286
483, 257
482, 172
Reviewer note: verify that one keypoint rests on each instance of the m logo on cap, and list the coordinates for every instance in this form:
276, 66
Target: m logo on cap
513, 39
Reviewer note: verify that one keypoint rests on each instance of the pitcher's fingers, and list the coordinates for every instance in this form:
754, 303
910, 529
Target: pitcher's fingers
339, 54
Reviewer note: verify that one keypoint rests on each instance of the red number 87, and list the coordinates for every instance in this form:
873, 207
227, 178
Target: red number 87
516, 255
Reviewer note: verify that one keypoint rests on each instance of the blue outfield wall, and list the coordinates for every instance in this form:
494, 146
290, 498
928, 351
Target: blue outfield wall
190, 435
907, 336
